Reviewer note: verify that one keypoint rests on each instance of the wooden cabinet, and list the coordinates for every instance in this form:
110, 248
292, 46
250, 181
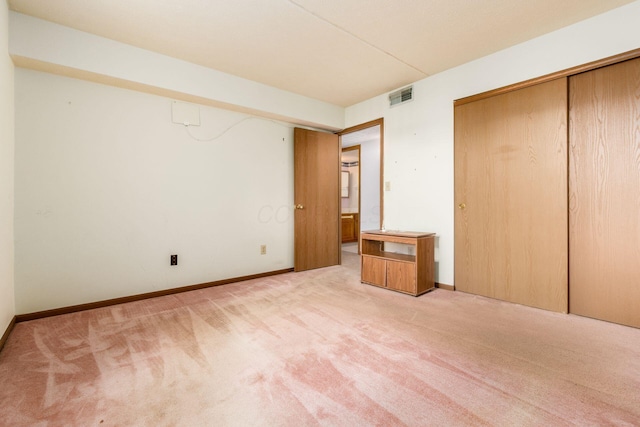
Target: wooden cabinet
398, 260
350, 227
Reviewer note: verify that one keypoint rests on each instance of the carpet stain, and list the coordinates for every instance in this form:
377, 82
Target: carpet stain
320, 375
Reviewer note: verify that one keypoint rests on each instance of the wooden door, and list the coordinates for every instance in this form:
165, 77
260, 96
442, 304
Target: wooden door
317, 199
511, 196
604, 188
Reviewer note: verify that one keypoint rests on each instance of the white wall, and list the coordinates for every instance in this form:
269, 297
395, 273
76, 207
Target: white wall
107, 188
370, 187
418, 152
7, 308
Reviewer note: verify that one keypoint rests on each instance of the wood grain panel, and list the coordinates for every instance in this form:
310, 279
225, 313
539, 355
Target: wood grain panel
605, 193
425, 270
401, 276
511, 179
317, 191
374, 271
350, 228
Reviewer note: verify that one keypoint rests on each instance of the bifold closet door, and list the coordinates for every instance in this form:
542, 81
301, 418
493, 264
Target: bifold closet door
604, 188
511, 196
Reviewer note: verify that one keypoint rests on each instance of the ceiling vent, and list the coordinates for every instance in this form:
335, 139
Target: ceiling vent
401, 96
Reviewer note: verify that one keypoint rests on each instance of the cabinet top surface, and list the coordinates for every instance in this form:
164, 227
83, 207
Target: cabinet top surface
398, 233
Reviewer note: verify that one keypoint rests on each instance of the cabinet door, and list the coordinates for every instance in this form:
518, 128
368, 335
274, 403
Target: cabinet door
348, 228
511, 196
401, 276
605, 193
374, 271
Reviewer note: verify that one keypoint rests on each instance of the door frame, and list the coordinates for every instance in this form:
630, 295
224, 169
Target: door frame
362, 126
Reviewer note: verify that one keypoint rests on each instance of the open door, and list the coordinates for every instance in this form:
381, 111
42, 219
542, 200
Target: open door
317, 199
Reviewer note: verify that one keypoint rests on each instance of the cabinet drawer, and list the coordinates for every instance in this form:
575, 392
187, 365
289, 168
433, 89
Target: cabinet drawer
401, 276
374, 271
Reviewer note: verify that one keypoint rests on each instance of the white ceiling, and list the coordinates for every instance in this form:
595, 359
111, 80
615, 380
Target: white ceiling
338, 51
361, 136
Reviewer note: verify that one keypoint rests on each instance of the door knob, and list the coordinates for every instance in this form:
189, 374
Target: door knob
462, 206
299, 207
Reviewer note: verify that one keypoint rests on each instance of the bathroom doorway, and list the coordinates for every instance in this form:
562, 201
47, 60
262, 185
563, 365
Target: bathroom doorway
362, 158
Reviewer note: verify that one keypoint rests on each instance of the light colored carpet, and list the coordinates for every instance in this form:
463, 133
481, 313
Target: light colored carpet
319, 348
350, 247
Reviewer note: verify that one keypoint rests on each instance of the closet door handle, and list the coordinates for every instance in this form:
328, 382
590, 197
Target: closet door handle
299, 207
462, 206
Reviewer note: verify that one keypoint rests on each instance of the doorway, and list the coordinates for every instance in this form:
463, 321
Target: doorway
362, 157
350, 197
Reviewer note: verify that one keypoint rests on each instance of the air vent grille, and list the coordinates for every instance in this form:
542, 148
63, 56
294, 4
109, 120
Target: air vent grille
401, 96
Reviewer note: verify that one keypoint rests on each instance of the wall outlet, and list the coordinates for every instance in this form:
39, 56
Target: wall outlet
263, 249
174, 259
387, 186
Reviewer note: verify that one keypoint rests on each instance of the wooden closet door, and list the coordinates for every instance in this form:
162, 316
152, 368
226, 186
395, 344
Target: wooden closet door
511, 196
604, 187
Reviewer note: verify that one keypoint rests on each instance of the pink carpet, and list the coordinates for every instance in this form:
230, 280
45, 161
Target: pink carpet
319, 348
